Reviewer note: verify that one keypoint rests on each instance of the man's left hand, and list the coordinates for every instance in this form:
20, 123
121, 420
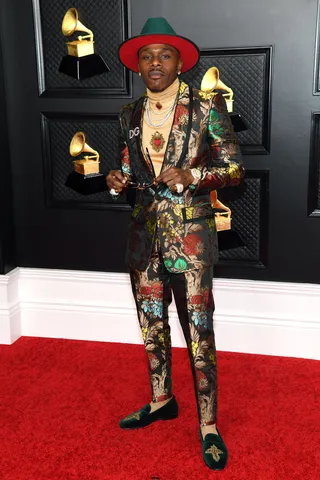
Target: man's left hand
174, 175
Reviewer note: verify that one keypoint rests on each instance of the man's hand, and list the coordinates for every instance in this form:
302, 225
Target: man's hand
174, 175
116, 180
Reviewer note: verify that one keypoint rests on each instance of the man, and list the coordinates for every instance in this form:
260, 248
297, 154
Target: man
177, 145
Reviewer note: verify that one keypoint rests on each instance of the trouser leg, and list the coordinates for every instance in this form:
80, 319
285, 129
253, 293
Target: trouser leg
153, 296
195, 306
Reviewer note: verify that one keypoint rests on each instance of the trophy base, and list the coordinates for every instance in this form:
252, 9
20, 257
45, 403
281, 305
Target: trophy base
237, 122
83, 67
86, 184
228, 239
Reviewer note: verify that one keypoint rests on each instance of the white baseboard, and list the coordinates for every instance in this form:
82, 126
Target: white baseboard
270, 318
10, 321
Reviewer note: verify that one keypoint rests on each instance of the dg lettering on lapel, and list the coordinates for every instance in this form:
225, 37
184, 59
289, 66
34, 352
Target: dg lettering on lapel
133, 133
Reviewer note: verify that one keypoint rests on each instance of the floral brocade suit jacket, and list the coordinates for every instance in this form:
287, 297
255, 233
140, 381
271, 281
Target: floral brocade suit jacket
201, 137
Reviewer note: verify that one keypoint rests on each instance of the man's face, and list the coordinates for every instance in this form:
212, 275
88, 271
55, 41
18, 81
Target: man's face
159, 65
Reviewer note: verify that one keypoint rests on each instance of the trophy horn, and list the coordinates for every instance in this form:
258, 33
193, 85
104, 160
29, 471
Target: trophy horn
78, 145
211, 81
71, 24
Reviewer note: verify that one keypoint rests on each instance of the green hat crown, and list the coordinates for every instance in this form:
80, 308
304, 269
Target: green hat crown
157, 25
158, 30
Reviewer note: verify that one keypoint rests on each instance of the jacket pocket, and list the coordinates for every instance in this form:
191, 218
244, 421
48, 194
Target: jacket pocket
198, 212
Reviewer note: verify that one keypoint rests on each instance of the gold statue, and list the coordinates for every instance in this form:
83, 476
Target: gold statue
81, 61
223, 219
211, 81
90, 163
71, 24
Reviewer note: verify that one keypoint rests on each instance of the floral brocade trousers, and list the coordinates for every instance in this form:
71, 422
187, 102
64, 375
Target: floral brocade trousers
192, 291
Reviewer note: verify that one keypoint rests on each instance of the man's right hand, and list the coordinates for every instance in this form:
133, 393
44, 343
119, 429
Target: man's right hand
116, 180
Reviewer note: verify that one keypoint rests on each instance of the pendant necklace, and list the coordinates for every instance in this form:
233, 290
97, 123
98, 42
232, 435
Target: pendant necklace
165, 118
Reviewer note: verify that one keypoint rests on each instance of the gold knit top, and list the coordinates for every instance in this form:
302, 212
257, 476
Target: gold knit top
155, 139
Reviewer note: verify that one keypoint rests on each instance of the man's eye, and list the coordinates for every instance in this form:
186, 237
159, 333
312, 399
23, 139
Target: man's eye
166, 56
146, 57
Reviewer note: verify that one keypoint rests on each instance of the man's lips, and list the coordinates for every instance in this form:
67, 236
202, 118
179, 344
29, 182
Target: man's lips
155, 74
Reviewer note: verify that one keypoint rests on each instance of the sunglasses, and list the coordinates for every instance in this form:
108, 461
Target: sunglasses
143, 186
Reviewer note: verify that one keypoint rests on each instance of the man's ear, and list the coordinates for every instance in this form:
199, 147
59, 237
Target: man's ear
179, 65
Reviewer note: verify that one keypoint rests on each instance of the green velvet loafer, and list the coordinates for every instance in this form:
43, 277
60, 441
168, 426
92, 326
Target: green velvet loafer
143, 417
214, 451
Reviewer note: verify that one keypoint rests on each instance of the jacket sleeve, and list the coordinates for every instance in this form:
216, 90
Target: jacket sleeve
124, 158
224, 167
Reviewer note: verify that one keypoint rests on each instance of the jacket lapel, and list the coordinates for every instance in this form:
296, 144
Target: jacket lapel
142, 163
178, 137
179, 130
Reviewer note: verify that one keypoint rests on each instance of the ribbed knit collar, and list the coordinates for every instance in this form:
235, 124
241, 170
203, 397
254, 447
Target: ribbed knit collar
167, 95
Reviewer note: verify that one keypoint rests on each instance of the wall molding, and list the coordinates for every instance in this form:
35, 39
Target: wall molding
250, 219
316, 68
57, 130
271, 318
10, 321
314, 167
47, 54
252, 94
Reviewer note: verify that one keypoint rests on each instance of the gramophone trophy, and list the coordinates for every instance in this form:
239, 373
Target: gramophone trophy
210, 82
81, 61
85, 178
227, 238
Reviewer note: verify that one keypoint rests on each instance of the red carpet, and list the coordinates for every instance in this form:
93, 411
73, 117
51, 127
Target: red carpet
61, 400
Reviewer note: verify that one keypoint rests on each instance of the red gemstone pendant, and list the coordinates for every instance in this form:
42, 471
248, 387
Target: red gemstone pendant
158, 105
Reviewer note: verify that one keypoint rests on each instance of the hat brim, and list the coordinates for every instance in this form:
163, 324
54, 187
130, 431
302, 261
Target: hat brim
129, 49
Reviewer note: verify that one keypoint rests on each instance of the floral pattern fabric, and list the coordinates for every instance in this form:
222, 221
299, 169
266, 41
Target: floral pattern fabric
172, 238
185, 221
192, 291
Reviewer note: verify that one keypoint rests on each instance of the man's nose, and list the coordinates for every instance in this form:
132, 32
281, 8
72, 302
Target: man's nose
156, 62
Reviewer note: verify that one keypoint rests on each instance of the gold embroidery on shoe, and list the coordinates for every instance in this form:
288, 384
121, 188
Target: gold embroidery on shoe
215, 452
133, 416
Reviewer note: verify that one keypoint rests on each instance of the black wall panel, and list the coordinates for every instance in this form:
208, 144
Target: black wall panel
314, 175
273, 73
247, 71
316, 73
250, 218
109, 22
101, 134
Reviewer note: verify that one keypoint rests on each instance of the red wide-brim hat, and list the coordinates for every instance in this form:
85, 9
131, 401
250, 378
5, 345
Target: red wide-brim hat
158, 30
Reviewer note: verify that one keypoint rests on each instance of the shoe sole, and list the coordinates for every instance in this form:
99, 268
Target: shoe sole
144, 426
216, 469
